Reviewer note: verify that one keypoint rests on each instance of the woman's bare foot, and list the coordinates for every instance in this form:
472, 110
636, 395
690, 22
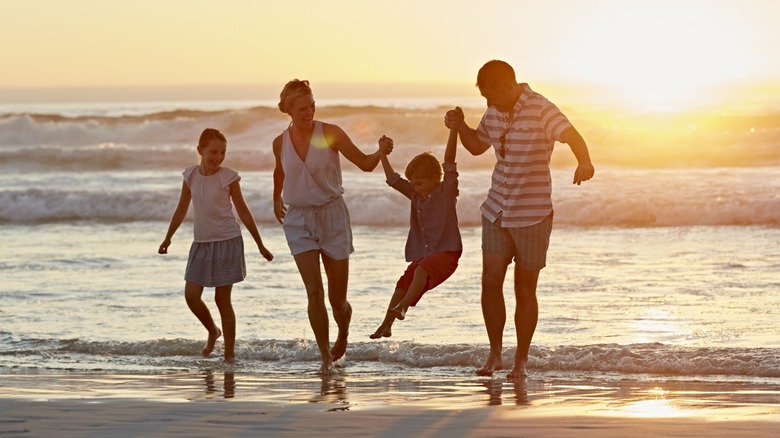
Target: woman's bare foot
493, 363
382, 332
519, 371
213, 336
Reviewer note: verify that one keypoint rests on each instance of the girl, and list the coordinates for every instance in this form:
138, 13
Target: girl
217, 253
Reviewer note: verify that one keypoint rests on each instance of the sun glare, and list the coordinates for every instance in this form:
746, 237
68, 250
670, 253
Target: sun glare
660, 54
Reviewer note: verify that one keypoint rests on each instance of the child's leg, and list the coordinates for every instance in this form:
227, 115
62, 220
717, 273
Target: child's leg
418, 283
228, 316
385, 329
193, 293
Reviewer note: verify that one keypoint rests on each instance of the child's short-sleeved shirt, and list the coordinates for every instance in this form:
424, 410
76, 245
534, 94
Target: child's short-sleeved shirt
214, 218
433, 220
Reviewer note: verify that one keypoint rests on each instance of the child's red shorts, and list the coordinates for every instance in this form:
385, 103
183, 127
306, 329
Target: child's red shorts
439, 267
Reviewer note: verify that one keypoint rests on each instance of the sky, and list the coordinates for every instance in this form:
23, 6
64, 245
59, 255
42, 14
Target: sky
658, 50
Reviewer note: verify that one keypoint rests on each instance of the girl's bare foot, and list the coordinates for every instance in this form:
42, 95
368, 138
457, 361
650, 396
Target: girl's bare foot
229, 359
493, 363
210, 342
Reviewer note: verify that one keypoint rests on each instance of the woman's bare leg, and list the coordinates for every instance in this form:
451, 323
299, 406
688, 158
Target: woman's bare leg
309, 267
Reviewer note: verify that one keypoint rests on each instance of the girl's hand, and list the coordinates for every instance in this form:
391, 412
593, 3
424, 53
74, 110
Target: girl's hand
164, 247
265, 253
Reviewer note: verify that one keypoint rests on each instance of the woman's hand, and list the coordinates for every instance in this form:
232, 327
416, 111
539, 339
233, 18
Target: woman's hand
280, 210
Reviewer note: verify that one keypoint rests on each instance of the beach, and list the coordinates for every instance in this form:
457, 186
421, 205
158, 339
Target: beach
234, 405
658, 307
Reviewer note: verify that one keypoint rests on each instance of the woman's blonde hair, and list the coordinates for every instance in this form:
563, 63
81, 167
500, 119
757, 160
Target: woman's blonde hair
291, 91
425, 165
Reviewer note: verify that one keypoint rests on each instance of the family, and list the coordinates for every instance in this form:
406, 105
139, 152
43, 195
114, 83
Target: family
520, 125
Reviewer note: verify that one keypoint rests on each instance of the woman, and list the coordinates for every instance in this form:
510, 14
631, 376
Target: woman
307, 178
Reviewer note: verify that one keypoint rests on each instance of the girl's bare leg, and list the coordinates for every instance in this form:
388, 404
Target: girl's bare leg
193, 293
228, 316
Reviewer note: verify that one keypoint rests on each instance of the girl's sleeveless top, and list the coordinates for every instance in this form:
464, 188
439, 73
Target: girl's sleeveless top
315, 181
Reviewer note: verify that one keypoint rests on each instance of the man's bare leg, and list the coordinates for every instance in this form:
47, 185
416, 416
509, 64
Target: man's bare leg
493, 309
193, 295
526, 317
309, 267
338, 281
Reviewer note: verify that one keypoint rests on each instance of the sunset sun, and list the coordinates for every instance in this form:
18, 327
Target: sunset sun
661, 56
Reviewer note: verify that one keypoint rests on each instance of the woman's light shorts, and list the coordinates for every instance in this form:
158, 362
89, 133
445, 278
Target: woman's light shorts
326, 228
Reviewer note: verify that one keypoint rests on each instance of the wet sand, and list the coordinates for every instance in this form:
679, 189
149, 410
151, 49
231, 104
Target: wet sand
211, 403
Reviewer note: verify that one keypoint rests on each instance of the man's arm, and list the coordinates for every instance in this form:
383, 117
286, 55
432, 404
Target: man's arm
468, 136
585, 170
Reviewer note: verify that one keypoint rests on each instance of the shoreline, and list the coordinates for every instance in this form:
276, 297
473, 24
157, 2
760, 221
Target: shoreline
239, 404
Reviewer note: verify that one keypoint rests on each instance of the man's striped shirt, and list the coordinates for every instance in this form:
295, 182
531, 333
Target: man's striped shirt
521, 189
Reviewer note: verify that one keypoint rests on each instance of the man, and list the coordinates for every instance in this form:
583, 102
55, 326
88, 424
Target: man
522, 126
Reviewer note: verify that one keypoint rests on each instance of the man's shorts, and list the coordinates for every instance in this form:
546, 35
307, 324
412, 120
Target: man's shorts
326, 228
440, 266
527, 245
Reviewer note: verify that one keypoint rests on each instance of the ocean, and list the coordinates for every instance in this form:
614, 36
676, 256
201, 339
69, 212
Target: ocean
665, 266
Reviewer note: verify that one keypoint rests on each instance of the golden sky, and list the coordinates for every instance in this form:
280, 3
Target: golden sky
651, 49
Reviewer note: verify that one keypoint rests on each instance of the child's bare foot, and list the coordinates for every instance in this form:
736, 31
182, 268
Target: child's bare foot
493, 363
519, 371
399, 312
382, 332
230, 358
210, 342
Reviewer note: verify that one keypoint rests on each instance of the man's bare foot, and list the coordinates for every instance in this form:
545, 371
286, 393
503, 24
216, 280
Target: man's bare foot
399, 312
210, 342
339, 347
382, 332
493, 363
519, 371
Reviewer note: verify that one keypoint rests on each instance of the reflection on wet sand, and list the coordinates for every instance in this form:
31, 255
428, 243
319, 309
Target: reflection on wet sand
495, 389
228, 384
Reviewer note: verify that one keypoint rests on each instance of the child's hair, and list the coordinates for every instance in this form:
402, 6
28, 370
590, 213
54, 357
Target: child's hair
291, 91
425, 165
209, 134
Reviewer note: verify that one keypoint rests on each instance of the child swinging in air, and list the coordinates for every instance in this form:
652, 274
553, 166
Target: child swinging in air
434, 245
217, 253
